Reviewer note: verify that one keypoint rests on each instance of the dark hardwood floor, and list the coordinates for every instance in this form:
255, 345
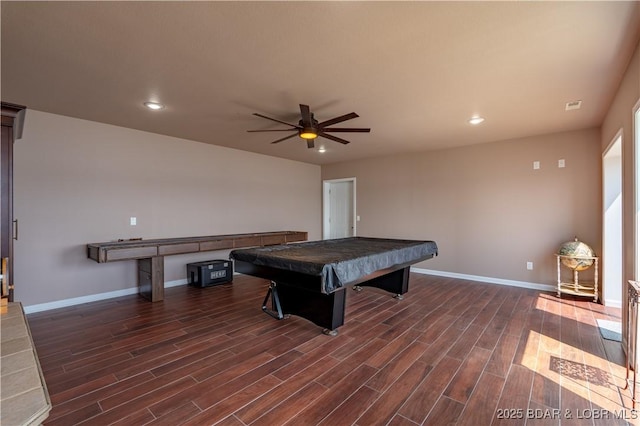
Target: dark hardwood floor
452, 352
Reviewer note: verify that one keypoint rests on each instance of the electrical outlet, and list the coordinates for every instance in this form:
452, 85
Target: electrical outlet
561, 163
530, 266
133, 221
536, 165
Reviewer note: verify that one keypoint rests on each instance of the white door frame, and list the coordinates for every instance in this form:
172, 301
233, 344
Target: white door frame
326, 186
612, 217
636, 193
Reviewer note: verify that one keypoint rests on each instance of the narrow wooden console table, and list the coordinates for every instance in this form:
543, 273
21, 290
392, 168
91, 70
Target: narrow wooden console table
150, 253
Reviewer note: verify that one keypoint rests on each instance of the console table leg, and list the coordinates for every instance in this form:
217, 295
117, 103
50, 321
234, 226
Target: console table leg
151, 278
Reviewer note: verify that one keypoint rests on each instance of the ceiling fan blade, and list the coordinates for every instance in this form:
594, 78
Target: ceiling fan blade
285, 138
347, 129
333, 138
273, 130
340, 119
305, 113
310, 143
274, 119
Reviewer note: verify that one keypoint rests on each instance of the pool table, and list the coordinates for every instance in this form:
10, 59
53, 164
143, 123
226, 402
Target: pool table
310, 279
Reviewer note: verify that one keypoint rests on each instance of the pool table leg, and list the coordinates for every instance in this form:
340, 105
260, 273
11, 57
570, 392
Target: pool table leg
325, 310
396, 282
276, 309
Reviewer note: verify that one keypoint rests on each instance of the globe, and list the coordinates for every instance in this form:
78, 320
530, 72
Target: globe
578, 249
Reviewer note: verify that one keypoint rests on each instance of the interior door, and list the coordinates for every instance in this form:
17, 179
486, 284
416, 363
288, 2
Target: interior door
339, 208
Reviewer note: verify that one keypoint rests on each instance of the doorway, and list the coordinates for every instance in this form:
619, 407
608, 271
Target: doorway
612, 224
637, 190
339, 207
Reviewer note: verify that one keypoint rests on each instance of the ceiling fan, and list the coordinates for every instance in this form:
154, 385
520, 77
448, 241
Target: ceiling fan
309, 128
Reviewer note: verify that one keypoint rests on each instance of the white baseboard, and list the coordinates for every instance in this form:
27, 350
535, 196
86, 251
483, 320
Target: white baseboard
93, 298
176, 283
613, 303
490, 280
133, 290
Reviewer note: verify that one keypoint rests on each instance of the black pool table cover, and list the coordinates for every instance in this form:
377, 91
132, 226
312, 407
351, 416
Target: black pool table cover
339, 262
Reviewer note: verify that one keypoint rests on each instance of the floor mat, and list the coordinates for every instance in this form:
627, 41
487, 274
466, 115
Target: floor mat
610, 330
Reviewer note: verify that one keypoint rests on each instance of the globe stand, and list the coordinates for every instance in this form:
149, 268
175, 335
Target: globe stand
575, 287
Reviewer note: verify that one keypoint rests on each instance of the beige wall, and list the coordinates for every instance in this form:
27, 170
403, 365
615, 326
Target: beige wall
620, 118
78, 182
484, 205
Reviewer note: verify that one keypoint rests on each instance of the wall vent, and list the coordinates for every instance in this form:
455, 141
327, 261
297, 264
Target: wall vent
572, 105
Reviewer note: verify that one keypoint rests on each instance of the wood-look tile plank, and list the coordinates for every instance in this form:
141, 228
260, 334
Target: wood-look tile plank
291, 406
352, 408
139, 402
323, 405
176, 369
230, 421
212, 396
514, 398
76, 416
141, 389
362, 334
437, 328
140, 417
333, 376
394, 368
445, 412
384, 355
192, 353
546, 388
398, 420
385, 407
464, 382
427, 393
83, 389
77, 402
222, 376
238, 364
174, 417
502, 356
275, 396
66, 381
306, 359
481, 406
224, 407
466, 342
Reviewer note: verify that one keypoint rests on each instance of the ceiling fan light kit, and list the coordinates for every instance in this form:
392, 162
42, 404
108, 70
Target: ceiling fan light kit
308, 128
308, 133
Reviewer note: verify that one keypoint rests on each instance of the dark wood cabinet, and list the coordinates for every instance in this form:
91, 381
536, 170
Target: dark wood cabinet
12, 119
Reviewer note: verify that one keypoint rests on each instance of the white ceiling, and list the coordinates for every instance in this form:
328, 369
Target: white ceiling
415, 72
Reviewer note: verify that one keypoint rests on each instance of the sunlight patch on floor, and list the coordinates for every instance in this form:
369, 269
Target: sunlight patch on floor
573, 379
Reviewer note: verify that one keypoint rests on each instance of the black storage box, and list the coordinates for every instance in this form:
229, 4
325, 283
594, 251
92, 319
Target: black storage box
210, 272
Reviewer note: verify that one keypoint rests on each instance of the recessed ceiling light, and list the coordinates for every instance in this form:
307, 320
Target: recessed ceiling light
322, 149
476, 120
153, 105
